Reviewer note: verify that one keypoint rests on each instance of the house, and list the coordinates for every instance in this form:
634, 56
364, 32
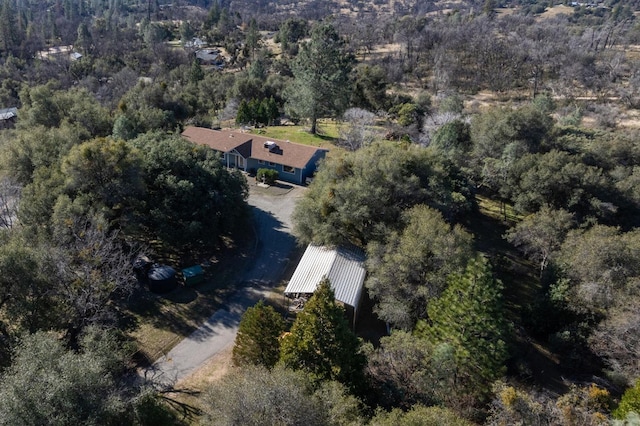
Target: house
344, 267
247, 152
196, 43
210, 57
59, 52
8, 117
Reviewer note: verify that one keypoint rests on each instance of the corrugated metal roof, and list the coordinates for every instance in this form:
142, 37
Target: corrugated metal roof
344, 268
8, 113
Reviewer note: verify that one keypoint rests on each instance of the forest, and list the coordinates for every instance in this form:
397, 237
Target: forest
484, 155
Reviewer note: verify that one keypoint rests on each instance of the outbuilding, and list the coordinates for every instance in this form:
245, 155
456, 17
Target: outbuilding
344, 267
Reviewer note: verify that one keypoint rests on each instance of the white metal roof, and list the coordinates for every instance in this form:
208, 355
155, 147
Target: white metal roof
344, 268
8, 113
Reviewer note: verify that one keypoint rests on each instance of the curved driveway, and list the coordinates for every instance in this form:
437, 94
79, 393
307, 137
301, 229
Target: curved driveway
272, 210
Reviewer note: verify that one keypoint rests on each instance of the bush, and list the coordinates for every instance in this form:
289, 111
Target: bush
630, 402
267, 176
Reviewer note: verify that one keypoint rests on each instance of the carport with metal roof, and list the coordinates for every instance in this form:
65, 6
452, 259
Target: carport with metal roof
344, 267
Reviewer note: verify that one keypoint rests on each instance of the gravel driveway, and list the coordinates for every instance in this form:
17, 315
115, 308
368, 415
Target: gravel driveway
272, 208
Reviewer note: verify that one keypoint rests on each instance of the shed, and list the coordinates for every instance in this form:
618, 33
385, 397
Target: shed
162, 278
344, 267
193, 275
8, 117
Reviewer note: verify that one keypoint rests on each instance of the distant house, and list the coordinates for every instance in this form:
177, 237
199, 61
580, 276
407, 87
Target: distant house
8, 117
59, 52
210, 57
247, 152
196, 43
344, 267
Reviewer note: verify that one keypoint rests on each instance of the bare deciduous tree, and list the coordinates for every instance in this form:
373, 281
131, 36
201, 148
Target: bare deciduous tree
357, 130
9, 199
93, 267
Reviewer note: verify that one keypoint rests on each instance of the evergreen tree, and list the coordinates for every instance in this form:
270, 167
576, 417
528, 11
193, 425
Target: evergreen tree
321, 342
84, 39
244, 115
252, 41
257, 342
7, 28
321, 72
254, 107
271, 110
468, 322
196, 73
262, 116
214, 15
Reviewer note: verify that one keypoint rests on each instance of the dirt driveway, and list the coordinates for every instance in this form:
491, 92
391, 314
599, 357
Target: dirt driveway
272, 208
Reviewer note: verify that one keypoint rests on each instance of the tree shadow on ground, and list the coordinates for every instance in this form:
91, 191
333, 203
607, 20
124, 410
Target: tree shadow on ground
220, 300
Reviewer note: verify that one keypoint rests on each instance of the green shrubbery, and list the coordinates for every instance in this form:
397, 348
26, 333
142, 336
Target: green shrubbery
267, 176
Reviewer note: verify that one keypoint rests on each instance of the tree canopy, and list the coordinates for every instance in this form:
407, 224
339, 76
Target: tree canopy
359, 197
190, 198
49, 384
412, 267
257, 396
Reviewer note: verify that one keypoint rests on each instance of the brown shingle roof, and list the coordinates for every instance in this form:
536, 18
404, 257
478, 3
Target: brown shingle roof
252, 146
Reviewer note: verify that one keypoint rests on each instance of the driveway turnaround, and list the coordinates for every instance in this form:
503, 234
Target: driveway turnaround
272, 208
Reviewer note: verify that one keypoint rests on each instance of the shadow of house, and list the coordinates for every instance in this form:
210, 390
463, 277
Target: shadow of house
247, 152
344, 267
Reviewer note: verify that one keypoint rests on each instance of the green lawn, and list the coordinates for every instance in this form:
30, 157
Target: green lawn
328, 134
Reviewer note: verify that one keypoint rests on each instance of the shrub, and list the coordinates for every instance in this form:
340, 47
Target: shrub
267, 176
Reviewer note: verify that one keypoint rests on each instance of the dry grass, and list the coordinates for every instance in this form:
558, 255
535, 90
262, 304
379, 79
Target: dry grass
497, 210
554, 11
191, 388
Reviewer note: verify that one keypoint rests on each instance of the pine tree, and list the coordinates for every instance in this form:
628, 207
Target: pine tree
7, 28
196, 73
321, 72
271, 109
321, 342
252, 41
468, 320
243, 115
257, 342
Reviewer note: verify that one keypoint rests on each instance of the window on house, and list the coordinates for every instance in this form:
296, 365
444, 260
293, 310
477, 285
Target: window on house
260, 161
272, 164
288, 169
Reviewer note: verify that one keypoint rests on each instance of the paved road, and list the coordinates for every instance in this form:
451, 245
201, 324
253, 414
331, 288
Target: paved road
272, 218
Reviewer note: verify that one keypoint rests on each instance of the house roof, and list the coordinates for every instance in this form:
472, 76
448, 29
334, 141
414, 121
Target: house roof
344, 268
7, 113
252, 146
209, 55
